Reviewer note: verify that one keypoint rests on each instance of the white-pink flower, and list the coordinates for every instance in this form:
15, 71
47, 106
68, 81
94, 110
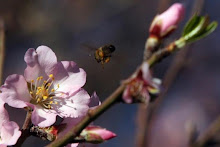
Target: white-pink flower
49, 87
140, 86
167, 22
9, 130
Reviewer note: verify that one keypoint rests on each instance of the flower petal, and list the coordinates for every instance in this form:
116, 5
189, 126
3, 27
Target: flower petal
42, 117
73, 145
15, 91
3, 114
40, 62
76, 105
146, 72
10, 133
94, 101
127, 95
70, 77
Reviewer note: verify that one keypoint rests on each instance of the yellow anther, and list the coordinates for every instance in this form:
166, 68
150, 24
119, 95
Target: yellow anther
49, 106
56, 103
45, 82
51, 102
58, 85
51, 97
38, 78
32, 81
51, 76
41, 77
45, 97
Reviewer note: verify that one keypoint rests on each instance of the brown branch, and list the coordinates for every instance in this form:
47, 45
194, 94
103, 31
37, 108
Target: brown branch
177, 65
208, 135
25, 129
2, 48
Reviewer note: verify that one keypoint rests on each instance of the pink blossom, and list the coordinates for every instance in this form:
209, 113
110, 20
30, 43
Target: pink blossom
49, 87
167, 22
140, 85
9, 130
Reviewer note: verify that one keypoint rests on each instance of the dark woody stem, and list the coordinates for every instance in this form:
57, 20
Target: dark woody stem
110, 101
25, 129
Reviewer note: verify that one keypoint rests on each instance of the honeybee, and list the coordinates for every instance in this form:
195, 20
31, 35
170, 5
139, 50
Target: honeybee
104, 53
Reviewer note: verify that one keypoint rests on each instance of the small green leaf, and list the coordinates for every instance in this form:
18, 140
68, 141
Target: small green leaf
200, 26
208, 30
192, 23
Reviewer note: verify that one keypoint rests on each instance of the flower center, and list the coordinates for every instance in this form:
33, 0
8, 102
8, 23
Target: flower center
42, 92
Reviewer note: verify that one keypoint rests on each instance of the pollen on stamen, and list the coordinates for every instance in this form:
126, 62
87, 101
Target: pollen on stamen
32, 81
51, 76
45, 97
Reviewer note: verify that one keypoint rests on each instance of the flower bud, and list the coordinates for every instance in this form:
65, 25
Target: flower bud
96, 134
167, 22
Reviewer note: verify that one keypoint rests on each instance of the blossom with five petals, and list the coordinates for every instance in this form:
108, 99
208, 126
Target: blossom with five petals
49, 87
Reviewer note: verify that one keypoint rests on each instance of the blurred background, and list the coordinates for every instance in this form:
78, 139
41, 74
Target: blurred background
65, 26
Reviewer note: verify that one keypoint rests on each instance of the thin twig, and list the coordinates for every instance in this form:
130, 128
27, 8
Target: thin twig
142, 112
172, 72
208, 135
25, 130
2, 48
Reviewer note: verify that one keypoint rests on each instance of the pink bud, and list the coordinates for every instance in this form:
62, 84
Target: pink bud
166, 22
96, 134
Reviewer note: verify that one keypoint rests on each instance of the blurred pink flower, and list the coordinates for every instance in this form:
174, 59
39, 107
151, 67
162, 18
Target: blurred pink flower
167, 22
49, 87
9, 130
140, 85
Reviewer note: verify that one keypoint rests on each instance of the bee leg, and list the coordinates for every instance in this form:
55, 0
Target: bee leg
107, 59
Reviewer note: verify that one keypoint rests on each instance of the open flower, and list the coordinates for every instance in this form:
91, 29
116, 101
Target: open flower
9, 130
49, 87
140, 86
167, 22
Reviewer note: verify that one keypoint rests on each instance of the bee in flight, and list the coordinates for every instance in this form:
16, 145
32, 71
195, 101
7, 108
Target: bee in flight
104, 53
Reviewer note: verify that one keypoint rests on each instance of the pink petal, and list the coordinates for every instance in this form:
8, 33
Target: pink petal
94, 101
172, 16
39, 63
15, 92
3, 114
127, 95
70, 78
146, 72
72, 145
42, 117
10, 133
76, 105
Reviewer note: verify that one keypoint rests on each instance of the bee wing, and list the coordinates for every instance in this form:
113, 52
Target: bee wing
89, 49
